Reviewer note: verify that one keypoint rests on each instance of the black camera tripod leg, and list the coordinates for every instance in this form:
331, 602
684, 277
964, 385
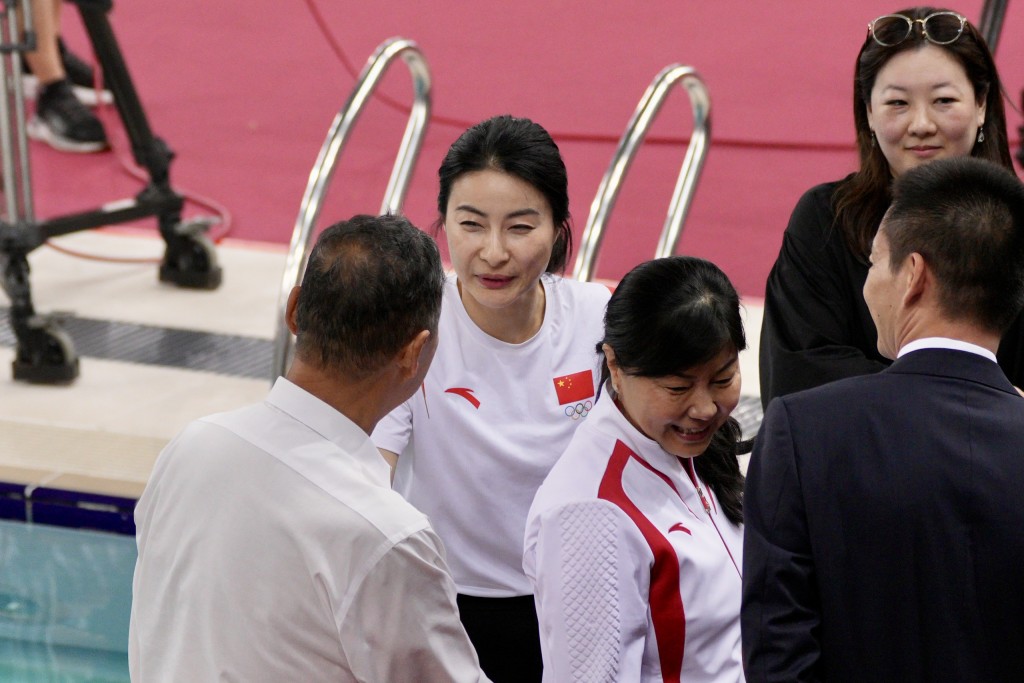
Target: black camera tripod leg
190, 259
44, 352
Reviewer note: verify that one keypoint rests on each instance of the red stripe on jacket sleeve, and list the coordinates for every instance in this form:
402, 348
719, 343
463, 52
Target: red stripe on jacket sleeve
666, 602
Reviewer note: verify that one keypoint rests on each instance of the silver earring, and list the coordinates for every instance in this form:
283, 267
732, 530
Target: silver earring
874, 140
981, 135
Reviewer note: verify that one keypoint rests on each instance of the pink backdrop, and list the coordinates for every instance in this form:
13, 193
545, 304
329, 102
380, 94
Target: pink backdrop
244, 92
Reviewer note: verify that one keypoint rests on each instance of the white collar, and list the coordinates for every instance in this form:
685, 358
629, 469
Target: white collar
332, 425
946, 343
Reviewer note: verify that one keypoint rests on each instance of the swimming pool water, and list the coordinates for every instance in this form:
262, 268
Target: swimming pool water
22, 662
65, 602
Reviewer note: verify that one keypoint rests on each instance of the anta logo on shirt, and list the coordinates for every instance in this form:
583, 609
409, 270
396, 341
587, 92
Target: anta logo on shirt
466, 394
576, 390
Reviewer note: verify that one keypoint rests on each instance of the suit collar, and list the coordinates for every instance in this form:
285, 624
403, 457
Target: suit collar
952, 363
946, 343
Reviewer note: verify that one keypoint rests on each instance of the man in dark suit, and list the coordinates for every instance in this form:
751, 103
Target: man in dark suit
884, 514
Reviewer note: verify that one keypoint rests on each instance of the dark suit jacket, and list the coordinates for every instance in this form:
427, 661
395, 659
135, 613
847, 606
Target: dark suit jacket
884, 528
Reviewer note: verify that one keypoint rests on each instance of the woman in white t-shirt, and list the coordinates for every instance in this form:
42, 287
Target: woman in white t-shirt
634, 541
513, 377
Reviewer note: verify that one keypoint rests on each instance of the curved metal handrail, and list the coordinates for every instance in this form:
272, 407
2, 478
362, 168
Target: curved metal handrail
686, 184
991, 24
17, 173
326, 160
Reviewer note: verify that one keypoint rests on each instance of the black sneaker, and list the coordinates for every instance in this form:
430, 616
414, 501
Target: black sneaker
78, 72
65, 123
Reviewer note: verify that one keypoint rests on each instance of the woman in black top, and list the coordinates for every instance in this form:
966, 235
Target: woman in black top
925, 87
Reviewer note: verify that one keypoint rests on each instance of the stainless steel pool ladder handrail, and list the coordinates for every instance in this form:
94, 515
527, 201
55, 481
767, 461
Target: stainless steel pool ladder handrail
323, 169
608, 191
17, 173
991, 23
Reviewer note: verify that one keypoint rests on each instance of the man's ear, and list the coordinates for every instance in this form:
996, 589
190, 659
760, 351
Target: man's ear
918, 279
413, 354
291, 308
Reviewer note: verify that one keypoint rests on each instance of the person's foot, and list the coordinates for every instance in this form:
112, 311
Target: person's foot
64, 123
79, 73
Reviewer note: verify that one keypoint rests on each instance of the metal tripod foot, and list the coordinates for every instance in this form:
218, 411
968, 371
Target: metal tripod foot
190, 259
45, 353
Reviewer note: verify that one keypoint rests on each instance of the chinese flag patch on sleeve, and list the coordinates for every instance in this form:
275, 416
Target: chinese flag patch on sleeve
578, 386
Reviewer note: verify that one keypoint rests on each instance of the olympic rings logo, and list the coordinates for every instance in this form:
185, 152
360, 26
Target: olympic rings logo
579, 410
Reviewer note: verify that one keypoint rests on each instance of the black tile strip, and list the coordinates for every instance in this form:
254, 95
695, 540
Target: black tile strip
223, 354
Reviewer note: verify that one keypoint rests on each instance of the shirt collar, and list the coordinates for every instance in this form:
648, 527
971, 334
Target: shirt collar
945, 343
332, 425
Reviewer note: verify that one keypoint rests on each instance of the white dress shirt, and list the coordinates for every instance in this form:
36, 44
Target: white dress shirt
271, 548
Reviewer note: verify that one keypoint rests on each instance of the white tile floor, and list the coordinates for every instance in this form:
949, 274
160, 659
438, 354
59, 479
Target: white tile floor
102, 432
111, 422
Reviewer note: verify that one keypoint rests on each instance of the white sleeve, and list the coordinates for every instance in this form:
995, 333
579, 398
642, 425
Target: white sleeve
394, 430
591, 583
403, 623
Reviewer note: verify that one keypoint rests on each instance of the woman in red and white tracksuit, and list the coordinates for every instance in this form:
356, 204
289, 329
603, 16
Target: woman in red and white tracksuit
634, 541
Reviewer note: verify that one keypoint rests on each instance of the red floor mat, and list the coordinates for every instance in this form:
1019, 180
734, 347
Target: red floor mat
245, 92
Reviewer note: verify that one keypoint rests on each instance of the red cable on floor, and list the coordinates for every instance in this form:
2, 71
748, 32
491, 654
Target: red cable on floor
132, 169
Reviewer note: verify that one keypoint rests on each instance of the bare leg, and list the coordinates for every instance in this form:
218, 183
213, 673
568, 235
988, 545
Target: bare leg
45, 59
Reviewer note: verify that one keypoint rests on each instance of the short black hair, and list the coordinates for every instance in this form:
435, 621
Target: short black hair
965, 216
372, 283
523, 149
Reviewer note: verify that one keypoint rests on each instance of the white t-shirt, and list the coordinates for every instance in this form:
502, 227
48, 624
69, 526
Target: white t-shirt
271, 548
488, 424
634, 579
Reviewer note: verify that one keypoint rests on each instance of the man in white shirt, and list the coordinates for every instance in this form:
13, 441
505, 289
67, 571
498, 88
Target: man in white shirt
271, 547
884, 525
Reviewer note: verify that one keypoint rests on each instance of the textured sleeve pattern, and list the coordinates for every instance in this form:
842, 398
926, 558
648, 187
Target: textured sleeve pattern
590, 589
591, 582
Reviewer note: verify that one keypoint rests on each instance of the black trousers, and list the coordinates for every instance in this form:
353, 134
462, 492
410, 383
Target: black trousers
506, 637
